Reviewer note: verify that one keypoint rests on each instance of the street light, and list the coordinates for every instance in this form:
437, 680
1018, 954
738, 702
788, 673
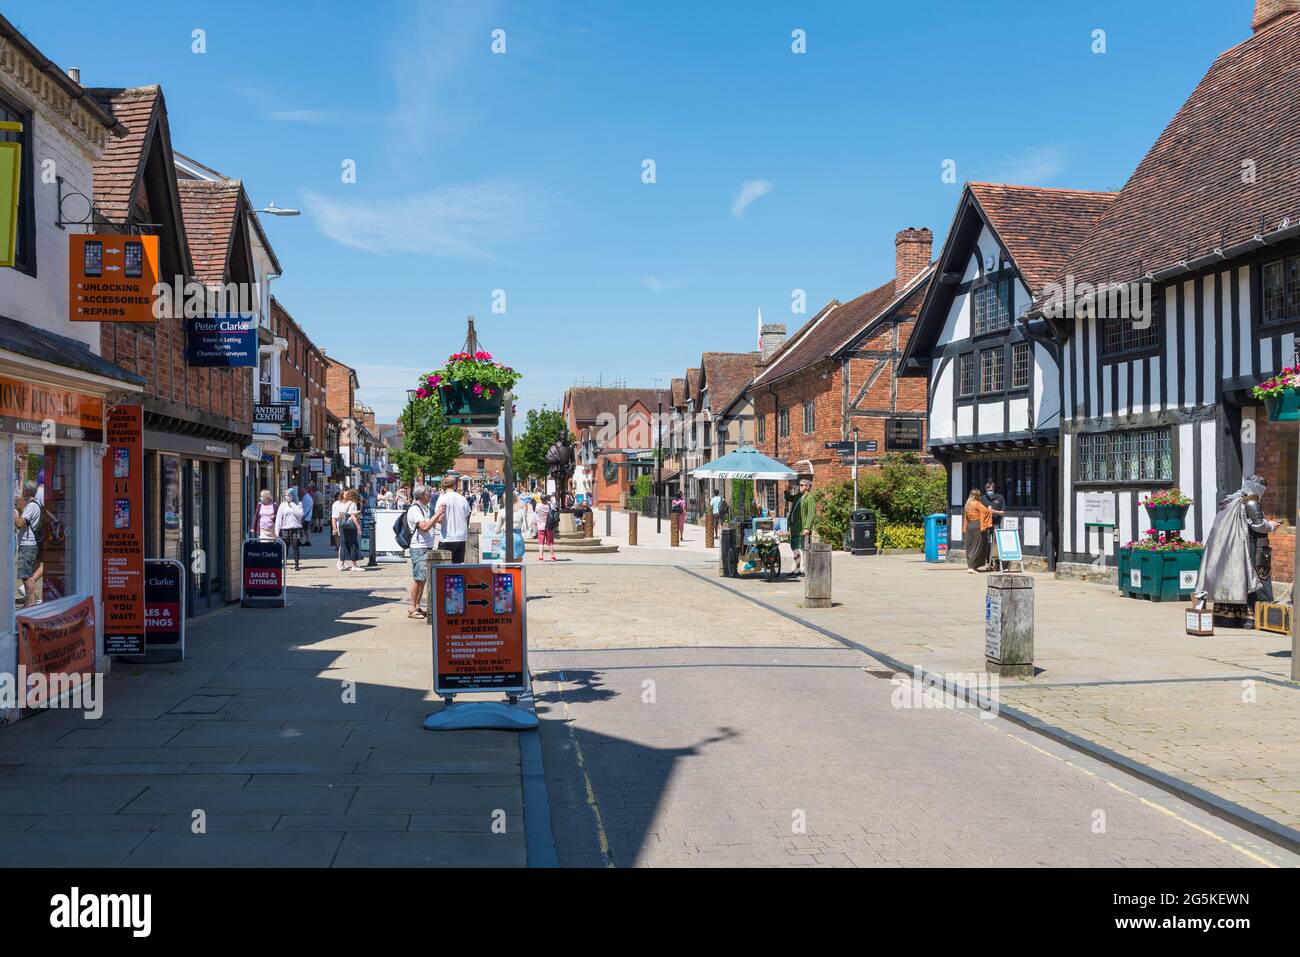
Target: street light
274, 210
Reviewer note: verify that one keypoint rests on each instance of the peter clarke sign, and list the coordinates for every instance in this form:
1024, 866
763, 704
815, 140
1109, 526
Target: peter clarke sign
49, 414
111, 278
263, 564
479, 629
221, 341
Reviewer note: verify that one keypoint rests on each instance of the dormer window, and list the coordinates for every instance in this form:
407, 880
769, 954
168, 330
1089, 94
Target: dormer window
991, 307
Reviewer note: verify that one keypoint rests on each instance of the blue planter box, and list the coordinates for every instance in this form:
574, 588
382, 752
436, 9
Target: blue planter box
1284, 407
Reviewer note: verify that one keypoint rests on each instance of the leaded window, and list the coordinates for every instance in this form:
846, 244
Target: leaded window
991, 306
1136, 328
809, 417
1133, 456
992, 363
966, 381
783, 423
1281, 281
1020, 365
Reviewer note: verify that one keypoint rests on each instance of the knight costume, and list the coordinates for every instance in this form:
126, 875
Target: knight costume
1236, 567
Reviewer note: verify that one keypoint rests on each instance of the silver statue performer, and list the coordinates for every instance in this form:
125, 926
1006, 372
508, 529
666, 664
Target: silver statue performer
1236, 567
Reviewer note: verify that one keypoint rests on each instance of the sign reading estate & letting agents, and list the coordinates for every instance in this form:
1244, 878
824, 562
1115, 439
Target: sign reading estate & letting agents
111, 278
221, 341
122, 531
479, 629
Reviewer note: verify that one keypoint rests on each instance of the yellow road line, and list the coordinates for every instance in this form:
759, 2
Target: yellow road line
1149, 803
601, 836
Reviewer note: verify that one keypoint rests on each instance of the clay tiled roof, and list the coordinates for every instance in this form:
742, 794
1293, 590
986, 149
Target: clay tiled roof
211, 212
1187, 196
679, 391
692, 384
1040, 226
118, 173
589, 402
726, 374
827, 332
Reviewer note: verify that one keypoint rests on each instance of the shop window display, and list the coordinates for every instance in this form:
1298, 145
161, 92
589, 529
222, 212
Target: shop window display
44, 493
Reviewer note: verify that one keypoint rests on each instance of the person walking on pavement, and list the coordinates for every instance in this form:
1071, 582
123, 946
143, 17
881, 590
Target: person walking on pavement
802, 512
424, 538
28, 519
288, 526
452, 518
263, 527
547, 519
308, 510
337, 508
679, 513
349, 529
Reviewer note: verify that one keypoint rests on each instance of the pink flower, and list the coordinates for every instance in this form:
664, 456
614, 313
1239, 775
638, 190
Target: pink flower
434, 380
478, 388
421, 394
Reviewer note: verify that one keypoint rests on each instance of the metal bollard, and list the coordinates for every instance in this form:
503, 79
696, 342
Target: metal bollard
1009, 626
631, 528
817, 576
609, 515
725, 547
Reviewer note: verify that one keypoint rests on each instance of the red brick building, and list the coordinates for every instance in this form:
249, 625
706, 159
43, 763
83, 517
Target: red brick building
838, 372
197, 420
303, 366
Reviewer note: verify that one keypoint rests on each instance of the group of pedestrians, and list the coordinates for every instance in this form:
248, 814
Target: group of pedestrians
290, 521
981, 517
435, 523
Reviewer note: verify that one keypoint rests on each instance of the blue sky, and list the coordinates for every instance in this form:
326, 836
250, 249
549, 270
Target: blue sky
522, 171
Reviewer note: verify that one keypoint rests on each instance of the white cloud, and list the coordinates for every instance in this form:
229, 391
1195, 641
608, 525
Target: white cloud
1034, 167
456, 221
654, 283
750, 190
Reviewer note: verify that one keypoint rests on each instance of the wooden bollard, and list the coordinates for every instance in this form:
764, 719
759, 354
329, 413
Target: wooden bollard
589, 524
817, 576
436, 556
708, 529
674, 531
1009, 626
631, 528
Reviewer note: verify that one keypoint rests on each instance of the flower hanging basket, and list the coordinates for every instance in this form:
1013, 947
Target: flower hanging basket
1283, 407
471, 388
1168, 518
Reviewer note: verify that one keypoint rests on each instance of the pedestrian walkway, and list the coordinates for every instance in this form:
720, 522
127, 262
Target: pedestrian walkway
288, 737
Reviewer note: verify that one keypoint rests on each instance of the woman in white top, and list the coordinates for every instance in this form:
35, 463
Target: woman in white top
337, 511
288, 525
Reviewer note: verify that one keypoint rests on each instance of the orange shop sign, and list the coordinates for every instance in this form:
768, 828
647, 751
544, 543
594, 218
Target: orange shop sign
122, 531
479, 632
111, 278
48, 414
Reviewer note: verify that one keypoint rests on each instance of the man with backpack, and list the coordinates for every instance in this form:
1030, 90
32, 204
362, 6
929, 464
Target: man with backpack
417, 529
28, 526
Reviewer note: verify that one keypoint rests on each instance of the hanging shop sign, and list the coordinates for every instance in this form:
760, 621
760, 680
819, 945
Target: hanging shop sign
122, 532
292, 397
56, 651
263, 573
222, 341
479, 629
272, 414
111, 278
299, 443
48, 413
316, 464
903, 435
11, 167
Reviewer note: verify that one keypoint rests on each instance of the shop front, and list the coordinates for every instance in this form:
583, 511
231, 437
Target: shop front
1025, 475
193, 502
53, 394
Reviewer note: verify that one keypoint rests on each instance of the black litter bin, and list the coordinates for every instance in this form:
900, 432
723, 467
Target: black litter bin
727, 538
862, 532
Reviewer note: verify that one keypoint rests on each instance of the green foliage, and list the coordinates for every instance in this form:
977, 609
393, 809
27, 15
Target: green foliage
742, 496
430, 445
643, 486
909, 537
543, 429
901, 493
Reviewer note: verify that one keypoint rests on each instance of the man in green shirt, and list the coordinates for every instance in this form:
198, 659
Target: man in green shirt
802, 511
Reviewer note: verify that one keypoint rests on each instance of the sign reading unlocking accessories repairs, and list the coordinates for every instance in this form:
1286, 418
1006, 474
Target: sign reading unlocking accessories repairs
479, 629
111, 277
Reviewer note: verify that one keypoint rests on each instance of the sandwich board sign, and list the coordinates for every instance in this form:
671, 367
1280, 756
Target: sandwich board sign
164, 612
480, 643
262, 571
1008, 542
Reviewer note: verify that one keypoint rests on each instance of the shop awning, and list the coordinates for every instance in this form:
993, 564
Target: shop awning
746, 462
25, 340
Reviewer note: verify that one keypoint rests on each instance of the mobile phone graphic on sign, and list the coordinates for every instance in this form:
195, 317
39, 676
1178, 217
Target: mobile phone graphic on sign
453, 600
121, 513
121, 463
503, 594
93, 257
134, 267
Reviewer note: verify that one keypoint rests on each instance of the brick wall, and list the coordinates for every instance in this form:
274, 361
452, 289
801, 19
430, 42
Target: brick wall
339, 398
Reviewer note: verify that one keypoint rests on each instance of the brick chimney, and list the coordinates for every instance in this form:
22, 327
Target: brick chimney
771, 337
912, 253
1268, 11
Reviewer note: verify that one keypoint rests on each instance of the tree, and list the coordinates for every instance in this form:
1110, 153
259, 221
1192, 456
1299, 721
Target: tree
430, 445
543, 429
